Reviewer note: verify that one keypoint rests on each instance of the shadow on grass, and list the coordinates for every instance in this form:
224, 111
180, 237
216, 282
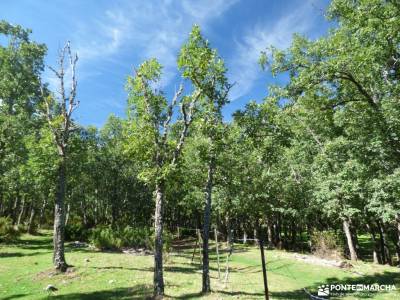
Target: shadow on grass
136, 292
238, 295
149, 269
190, 269
14, 296
42, 244
19, 254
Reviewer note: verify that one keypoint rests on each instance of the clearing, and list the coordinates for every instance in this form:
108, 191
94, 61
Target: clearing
25, 270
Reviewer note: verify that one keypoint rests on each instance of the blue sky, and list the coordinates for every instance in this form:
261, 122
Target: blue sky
112, 37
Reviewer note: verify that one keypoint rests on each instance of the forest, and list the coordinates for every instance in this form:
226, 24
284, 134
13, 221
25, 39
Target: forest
312, 168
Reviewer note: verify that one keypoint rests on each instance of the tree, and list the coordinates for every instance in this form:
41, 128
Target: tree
59, 116
351, 73
207, 71
151, 118
21, 64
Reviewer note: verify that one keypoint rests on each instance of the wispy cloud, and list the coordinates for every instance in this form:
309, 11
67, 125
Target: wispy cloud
244, 67
150, 28
207, 9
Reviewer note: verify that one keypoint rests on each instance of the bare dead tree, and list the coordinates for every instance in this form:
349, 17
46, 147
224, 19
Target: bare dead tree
59, 109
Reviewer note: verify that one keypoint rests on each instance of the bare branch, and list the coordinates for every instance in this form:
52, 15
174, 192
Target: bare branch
146, 98
61, 134
72, 61
187, 120
170, 110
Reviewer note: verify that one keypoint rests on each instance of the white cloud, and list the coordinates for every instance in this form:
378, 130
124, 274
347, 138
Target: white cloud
244, 68
202, 10
150, 28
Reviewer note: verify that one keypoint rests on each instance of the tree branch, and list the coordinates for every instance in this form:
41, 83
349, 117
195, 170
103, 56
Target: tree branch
187, 120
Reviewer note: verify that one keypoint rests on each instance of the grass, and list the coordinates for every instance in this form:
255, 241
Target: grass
25, 270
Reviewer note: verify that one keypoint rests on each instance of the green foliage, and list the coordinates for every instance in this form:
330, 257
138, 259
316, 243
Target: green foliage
106, 238
7, 231
326, 244
76, 232
136, 237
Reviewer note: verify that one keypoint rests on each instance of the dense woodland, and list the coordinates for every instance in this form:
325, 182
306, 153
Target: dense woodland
318, 154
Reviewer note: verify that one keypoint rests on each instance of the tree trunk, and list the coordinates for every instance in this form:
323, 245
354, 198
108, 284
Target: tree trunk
350, 244
15, 209
398, 238
31, 220
42, 209
375, 252
270, 235
59, 220
286, 236
293, 230
386, 257
277, 234
228, 229
84, 215
244, 236
21, 212
158, 243
354, 236
67, 214
114, 204
206, 227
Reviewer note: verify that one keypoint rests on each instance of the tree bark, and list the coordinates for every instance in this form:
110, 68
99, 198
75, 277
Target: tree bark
31, 220
293, 230
15, 209
42, 209
59, 220
375, 252
67, 214
350, 244
386, 257
398, 238
84, 215
277, 234
228, 229
21, 212
158, 243
270, 236
206, 288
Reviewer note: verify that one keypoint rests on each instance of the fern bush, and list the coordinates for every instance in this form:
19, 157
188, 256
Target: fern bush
7, 231
105, 238
136, 237
76, 232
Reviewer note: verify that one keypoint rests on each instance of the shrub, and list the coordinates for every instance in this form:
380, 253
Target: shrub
7, 231
187, 232
136, 237
33, 228
105, 238
76, 232
326, 244
21, 228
